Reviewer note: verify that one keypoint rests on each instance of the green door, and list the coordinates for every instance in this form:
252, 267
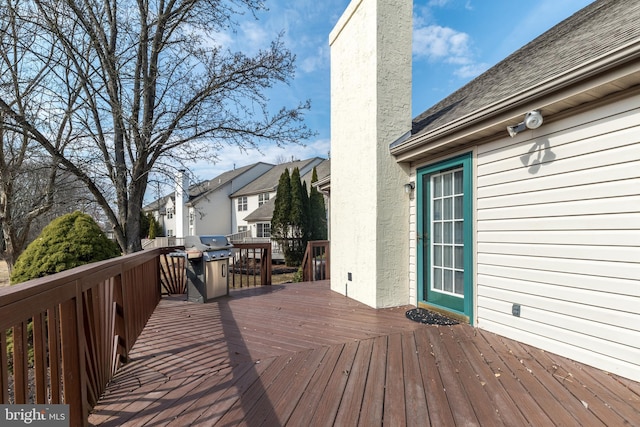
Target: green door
445, 207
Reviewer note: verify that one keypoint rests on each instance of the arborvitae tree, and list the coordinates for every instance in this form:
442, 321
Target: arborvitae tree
144, 225
68, 241
281, 208
306, 224
317, 212
297, 221
298, 208
153, 226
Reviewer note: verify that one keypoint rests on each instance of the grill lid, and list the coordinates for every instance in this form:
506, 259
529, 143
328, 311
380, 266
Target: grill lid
207, 243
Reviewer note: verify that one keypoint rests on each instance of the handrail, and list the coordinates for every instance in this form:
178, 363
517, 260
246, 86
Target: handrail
316, 261
243, 264
84, 322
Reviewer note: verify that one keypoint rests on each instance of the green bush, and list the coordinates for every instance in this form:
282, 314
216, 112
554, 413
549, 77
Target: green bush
68, 241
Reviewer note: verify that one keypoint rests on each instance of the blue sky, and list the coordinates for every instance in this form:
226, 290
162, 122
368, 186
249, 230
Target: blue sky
454, 41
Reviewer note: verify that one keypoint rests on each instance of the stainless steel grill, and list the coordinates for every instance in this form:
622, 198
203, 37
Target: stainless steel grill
208, 267
209, 247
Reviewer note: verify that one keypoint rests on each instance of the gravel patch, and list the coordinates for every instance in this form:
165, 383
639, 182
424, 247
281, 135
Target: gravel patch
429, 317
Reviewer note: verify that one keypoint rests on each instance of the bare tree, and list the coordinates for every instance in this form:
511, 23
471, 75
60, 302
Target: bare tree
27, 178
155, 89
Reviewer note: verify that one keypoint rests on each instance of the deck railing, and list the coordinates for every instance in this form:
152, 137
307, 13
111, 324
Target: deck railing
316, 263
251, 262
70, 331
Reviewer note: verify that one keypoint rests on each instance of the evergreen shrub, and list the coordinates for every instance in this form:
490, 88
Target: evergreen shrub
68, 241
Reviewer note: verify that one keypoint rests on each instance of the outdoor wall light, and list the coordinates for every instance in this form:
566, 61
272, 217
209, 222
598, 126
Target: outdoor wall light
532, 120
408, 188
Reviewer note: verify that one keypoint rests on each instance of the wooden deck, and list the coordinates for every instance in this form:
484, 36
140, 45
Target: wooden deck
300, 355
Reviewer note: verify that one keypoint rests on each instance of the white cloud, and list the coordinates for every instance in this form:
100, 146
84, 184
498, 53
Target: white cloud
220, 39
231, 156
255, 35
471, 70
316, 62
438, 43
438, 3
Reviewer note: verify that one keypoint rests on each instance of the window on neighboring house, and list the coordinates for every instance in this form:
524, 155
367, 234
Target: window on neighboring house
242, 228
264, 229
169, 233
191, 218
263, 198
242, 203
169, 213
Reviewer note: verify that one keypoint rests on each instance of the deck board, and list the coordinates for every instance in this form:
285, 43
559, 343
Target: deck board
373, 397
437, 403
416, 410
299, 354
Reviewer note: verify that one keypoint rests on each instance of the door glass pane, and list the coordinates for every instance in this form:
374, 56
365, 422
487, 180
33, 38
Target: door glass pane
437, 210
457, 182
458, 208
437, 186
448, 256
459, 232
459, 257
447, 184
448, 281
437, 278
437, 232
447, 211
447, 232
437, 255
459, 284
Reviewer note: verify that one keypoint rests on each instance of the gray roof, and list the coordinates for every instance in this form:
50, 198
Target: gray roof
263, 213
203, 188
589, 34
200, 190
323, 170
268, 182
158, 203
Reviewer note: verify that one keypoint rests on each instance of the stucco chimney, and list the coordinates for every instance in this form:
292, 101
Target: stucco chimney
182, 197
370, 108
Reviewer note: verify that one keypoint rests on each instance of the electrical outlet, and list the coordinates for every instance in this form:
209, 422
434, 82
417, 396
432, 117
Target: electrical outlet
515, 310
349, 278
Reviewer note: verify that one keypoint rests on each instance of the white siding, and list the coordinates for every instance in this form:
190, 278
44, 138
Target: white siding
253, 201
213, 212
562, 238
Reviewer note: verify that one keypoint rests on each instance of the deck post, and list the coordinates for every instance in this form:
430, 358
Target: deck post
73, 361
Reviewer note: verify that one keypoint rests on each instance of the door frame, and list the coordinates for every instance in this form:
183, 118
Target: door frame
422, 194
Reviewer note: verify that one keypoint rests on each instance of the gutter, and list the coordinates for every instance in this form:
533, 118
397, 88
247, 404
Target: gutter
621, 56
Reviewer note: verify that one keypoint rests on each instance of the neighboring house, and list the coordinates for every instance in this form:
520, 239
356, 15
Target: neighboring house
211, 210
253, 204
536, 236
259, 221
208, 207
163, 210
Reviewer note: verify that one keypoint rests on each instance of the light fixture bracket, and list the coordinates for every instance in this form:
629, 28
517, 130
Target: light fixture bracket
532, 120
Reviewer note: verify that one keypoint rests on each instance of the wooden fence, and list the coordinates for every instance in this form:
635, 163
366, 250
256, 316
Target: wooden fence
70, 331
